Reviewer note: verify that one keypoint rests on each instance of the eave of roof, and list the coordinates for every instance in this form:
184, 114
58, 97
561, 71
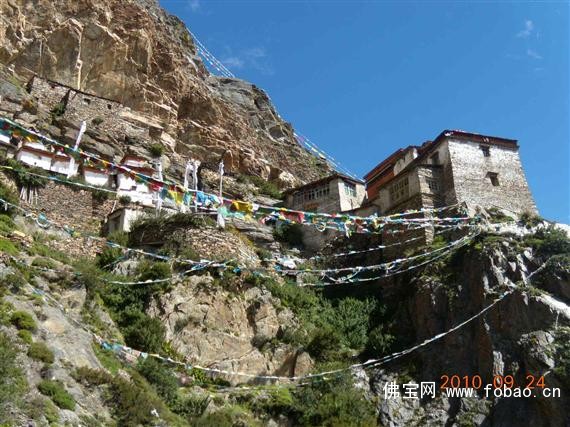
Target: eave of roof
324, 180
484, 139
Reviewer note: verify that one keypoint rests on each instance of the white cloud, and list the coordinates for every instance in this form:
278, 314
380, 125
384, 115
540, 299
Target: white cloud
528, 29
254, 58
533, 54
194, 5
233, 62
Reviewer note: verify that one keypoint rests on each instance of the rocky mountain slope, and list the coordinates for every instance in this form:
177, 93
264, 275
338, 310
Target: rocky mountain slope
134, 53
55, 304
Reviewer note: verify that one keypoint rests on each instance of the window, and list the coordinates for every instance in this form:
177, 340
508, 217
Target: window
350, 189
435, 158
486, 150
494, 177
311, 194
432, 184
399, 190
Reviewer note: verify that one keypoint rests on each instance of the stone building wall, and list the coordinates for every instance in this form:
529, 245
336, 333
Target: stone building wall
101, 114
473, 185
329, 203
198, 242
75, 208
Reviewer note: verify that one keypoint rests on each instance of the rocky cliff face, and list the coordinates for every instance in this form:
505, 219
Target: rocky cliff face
520, 336
134, 53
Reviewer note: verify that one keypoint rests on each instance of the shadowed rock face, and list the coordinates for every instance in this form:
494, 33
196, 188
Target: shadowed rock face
135, 53
517, 337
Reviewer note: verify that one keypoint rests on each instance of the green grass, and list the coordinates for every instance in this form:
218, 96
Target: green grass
107, 359
23, 320
13, 281
9, 247
40, 351
25, 336
43, 263
6, 224
39, 248
56, 391
13, 383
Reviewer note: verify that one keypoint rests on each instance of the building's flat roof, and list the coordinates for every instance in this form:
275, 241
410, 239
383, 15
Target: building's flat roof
36, 150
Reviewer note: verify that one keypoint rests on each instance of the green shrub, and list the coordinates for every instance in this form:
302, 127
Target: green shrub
23, 320
124, 200
12, 281
40, 351
275, 402
101, 195
107, 358
190, 407
497, 215
228, 416
133, 401
10, 196
379, 341
8, 247
332, 403
145, 333
40, 407
289, 233
530, 219
351, 318
24, 179
111, 255
153, 270
58, 110
57, 393
90, 276
91, 377
161, 378
325, 344
562, 355
13, 383
25, 336
43, 263
165, 223
39, 248
156, 150
549, 242
6, 224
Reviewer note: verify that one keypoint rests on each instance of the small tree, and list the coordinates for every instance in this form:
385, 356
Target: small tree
156, 150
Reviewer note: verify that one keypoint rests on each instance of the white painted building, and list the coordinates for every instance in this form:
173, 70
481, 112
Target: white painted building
122, 218
60, 164
95, 176
32, 156
127, 184
6, 146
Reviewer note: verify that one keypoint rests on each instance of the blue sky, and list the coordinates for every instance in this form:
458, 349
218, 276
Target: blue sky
363, 78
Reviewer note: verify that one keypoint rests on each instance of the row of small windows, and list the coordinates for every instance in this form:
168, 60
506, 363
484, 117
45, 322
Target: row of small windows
312, 194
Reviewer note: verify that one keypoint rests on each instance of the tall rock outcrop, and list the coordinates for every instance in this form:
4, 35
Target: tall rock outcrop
134, 53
